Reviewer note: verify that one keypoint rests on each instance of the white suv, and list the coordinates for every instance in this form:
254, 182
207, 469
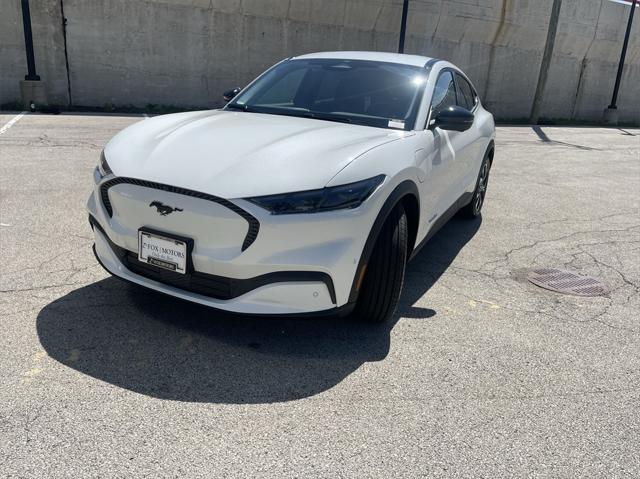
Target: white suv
307, 194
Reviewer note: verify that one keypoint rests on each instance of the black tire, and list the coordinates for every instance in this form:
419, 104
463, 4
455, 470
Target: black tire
384, 276
474, 208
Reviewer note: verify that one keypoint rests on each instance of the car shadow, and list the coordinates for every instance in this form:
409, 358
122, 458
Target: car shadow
166, 348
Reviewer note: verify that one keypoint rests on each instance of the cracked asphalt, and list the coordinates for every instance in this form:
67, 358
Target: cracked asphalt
481, 374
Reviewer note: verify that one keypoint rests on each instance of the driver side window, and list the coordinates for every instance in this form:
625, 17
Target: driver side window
444, 94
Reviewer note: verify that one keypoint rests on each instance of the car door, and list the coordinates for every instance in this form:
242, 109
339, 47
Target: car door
437, 155
469, 142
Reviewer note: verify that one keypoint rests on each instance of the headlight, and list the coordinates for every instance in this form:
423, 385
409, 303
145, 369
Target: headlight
340, 197
103, 166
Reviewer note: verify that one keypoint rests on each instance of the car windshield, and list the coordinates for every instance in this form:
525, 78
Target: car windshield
379, 94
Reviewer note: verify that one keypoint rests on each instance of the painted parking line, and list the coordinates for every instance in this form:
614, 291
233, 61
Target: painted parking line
12, 122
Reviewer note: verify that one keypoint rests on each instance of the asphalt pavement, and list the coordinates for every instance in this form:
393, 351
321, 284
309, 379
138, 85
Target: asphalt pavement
480, 374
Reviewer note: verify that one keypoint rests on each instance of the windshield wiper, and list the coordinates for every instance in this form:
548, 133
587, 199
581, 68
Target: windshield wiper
235, 106
329, 117
315, 115
298, 113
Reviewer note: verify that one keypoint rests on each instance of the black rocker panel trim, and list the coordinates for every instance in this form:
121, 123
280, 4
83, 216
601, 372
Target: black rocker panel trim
218, 287
254, 224
443, 220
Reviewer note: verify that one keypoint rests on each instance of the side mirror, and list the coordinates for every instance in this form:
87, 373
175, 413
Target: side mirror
229, 94
453, 118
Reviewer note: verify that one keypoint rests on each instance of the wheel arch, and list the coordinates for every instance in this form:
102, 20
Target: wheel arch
412, 208
406, 193
490, 152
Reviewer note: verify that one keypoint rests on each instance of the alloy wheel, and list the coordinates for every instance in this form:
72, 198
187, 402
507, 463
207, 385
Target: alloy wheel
481, 190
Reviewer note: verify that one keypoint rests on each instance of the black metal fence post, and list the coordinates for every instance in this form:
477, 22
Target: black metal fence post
403, 25
28, 43
623, 54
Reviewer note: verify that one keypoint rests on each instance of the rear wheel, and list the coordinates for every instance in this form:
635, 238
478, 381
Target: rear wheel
473, 209
384, 276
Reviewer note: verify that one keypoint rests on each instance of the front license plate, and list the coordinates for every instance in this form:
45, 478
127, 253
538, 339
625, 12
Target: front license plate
163, 252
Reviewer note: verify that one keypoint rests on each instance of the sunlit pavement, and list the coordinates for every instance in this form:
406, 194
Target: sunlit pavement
481, 374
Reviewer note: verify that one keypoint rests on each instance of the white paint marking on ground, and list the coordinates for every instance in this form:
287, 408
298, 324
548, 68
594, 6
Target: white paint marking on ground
12, 122
5, 224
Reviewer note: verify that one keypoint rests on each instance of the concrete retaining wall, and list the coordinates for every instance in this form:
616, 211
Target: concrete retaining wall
186, 52
48, 43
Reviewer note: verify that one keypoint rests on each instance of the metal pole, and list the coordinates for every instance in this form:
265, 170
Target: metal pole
546, 61
28, 42
614, 98
403, 25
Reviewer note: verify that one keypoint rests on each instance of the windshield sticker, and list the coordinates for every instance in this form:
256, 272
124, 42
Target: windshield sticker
396, 124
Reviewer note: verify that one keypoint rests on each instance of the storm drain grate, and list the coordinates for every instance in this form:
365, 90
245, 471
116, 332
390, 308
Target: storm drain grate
567, 282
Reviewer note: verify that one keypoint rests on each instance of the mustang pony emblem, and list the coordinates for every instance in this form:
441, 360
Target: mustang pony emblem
163, 209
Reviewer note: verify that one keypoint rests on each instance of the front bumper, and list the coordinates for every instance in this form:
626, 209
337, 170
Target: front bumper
297, 264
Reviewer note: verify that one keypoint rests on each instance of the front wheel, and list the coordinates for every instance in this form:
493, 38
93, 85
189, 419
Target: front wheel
384, 274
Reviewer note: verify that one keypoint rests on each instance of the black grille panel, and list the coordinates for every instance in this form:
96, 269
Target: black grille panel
254, 224
252, 234
217, 287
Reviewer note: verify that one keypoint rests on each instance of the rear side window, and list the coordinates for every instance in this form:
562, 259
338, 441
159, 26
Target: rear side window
444, 94
466, 95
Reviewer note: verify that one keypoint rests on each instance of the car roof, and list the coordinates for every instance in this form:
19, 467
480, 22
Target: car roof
415, 60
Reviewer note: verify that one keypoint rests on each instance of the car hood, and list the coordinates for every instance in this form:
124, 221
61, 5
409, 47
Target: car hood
239, 154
